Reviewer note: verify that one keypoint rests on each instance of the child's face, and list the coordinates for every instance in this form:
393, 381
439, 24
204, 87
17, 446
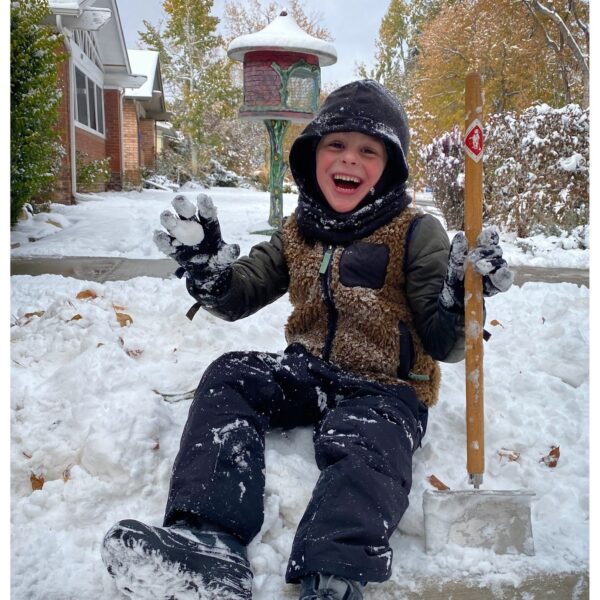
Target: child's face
349, 164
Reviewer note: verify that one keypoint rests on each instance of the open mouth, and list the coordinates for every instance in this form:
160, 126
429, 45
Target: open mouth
346, 182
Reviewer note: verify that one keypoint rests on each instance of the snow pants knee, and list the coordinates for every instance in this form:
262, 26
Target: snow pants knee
365, 436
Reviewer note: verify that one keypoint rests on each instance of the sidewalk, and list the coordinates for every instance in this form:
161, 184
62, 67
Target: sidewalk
103, 269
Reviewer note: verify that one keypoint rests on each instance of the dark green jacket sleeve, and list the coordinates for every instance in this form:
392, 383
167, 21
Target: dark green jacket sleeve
442, 332
255, 281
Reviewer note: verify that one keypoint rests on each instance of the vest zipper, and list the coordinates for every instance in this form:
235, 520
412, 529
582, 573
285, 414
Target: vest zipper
332, 314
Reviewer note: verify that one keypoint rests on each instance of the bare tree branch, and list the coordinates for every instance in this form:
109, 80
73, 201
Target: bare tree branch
581, 58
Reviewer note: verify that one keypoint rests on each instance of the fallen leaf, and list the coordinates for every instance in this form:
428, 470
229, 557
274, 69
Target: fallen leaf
118, 308
495, 323
66, 474
55, 223
86, 295
134, 353
75, 318
437, 484
511, 455
37, 483
156, 446
551, 459
37, 313
124, 319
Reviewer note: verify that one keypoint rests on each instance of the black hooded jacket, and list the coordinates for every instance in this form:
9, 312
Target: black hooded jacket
263, 276
366, 107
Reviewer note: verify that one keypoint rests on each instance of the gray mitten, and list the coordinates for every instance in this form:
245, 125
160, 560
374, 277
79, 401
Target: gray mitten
194, 241
452, 296
487, 261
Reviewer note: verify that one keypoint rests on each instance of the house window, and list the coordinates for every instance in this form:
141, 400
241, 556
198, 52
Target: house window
90, 102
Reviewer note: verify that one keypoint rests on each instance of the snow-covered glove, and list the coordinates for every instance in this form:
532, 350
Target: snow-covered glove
194, 241
487, 259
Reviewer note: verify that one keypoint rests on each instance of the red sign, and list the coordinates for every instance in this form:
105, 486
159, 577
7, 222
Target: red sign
474, 140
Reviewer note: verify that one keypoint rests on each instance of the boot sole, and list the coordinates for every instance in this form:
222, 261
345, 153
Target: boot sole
143, 573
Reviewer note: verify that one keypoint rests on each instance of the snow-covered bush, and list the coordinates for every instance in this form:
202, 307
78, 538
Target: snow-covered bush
444, 159
173, 164
34, 99
220, 176
536, 169
92, 175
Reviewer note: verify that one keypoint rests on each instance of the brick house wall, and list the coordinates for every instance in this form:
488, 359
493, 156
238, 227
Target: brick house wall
147, 142
90, 147
131, 143
114, 142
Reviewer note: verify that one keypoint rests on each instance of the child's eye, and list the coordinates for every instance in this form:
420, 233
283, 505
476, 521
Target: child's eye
336, 144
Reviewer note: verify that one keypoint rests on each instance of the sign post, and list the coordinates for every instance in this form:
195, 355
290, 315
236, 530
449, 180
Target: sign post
473, 281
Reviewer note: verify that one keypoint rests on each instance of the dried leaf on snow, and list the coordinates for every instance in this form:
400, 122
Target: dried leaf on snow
495, 323
37, 313
437, 484
86, 295
124, 319
37, 483
551, 459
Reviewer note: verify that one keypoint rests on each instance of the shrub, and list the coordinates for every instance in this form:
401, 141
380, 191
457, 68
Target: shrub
536, 171
92, 175
34, 100
444, 159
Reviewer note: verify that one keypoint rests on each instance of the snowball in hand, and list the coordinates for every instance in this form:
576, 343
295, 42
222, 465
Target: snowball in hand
188, 232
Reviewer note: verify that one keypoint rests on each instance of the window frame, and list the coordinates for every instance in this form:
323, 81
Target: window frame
84, 67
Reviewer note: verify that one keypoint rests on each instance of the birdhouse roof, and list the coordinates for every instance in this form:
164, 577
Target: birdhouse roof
283, 33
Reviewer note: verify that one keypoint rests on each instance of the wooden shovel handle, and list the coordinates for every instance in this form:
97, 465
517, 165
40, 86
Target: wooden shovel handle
474, 291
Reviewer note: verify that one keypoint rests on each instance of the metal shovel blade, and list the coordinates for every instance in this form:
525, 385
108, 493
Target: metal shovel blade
498, 520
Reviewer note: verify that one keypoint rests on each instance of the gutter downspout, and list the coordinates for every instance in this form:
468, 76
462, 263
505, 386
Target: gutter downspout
72, 148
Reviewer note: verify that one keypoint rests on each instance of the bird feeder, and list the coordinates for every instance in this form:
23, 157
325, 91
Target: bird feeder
282, 84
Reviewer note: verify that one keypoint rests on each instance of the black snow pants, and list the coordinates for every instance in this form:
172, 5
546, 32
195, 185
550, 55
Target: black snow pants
364, 439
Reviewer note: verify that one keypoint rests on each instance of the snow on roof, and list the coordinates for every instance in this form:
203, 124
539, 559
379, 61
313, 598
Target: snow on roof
143, 62
74, 4
283, 33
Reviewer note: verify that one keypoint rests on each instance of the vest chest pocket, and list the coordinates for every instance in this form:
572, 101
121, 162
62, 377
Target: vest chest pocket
364, 265
407, 352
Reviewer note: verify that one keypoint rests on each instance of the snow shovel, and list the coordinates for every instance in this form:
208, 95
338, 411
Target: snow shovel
498, 520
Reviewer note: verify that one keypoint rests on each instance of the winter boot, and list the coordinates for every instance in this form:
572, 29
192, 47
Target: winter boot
176, 563
330, 587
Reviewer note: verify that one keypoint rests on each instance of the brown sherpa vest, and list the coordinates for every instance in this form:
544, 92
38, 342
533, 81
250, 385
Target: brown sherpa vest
373, 333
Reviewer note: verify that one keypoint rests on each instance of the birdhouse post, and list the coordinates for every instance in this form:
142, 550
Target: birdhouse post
282, 84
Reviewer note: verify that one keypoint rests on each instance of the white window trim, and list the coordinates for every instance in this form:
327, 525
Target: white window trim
92, 72
83, 126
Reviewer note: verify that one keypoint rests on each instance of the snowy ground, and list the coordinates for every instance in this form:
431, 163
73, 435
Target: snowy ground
97, 409
89, 228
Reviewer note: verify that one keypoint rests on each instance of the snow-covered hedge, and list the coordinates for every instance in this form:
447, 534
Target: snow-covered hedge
444, 159
536, 170
35, 147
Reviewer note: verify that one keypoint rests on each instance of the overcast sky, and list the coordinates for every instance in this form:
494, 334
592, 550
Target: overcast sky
354, 24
